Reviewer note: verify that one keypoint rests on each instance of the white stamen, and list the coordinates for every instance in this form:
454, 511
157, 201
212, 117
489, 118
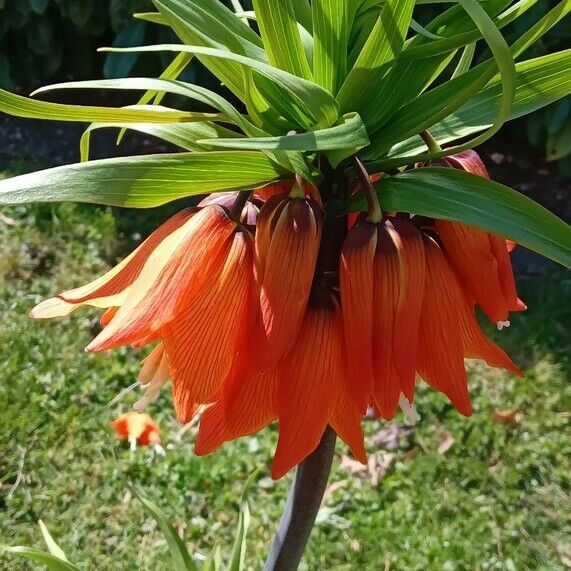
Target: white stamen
409, 410
501, 324
133, 443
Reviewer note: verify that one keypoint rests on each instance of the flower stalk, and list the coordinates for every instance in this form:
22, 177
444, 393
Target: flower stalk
375, 213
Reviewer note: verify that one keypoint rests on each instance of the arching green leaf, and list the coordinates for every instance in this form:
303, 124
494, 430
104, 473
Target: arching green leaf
144, 181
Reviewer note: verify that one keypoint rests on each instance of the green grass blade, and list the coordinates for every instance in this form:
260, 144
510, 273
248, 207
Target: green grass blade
238, 555
29, 108
144, 181
307, 96
281, 37
181, 558
378, 54
52, 562
463, 197
351, 134
51, 544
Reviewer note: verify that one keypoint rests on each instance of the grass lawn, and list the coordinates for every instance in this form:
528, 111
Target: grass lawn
453, 494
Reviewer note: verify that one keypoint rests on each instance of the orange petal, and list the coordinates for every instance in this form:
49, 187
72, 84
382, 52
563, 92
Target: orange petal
506, 275
475, 344
410, 249
356, 285
179, 268
288, 268
203, 342
124, 273
387, 274
470, 252
440, 349
313, 390
247, 405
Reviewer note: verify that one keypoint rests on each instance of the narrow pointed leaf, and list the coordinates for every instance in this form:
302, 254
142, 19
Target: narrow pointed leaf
349, 134
281, 36
30, 108
50, 542
185, 136
438, 103
145, 181
539, 82
52, 562
181, 558
238, 555
379, 52
306, 95
212, 24
331, 21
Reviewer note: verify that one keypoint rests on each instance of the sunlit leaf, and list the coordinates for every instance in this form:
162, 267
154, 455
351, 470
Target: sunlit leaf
144, 181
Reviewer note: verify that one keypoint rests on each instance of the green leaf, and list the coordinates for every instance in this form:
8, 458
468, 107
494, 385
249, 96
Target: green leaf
25, 107
379, 52
172, 71
238, 555
302, 11
185, 135
152, 17
309, 97
209, 23
181, 558
539, 82
175, 87
351, 133
52, 562
465, 60
435, 105
144, 181
409, 76
51, 544
331, 22
280, 34
290, 161
437, 97
463, 197
214, 562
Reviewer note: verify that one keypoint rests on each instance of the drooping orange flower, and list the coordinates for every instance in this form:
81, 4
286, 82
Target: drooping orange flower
449, 332
288, 235
481, 259
382, 273
137, 428
247, 322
